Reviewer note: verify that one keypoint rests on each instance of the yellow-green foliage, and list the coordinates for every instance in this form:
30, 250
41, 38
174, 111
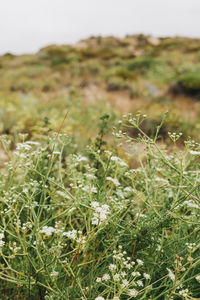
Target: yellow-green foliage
77, 220
86, 76
26, 114
190, 81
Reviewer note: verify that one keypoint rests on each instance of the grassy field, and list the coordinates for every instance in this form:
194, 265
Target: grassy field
100, 180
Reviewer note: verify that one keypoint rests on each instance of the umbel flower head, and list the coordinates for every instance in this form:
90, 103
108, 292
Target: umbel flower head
100, 213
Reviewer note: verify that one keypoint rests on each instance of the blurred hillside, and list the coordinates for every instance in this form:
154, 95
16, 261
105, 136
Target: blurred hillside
102, 75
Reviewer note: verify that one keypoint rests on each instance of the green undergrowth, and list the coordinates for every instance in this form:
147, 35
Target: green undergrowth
80, 224
190, 82
21, 113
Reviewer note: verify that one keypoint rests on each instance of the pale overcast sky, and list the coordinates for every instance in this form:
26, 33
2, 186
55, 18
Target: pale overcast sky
27, 25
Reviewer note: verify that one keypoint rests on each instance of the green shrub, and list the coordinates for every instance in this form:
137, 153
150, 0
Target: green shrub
116, 84
23, 84
59, 60
140, 64
190, 81
104, 53
123, 73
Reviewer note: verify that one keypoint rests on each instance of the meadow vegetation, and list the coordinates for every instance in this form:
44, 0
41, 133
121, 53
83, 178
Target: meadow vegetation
100, 201
130, 74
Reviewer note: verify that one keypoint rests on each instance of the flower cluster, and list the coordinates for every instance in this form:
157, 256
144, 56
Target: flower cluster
171, 274
48, 230
101, 213
2, 243
76, 236
23, 150
125, 275
113, 180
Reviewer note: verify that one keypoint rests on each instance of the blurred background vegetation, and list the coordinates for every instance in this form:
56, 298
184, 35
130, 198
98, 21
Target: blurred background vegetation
102, 75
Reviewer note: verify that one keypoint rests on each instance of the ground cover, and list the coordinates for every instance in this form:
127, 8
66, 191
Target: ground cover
83, 225
97, 203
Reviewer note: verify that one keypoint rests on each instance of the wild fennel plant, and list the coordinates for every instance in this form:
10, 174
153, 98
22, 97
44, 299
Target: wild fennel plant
83, 225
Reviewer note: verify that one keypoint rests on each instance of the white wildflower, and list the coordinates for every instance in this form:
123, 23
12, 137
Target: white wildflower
119, 161
190, 245
198, 278
193, 152
108, 152
54, 273
72, 209
184, 293
116, 277
140, 262
47, 230
134, 274
23, 147
63, 194
115, 158
100, 214
90, 176
140, 215
112, 267
123, 274
2, 243
85, 188
98, 279
159, 179
190, 203
93, 189
170, 195
158, 248
71, 234
94, 204
122, 163
139, 283
105, 206
100, 298
106, 277
81, 158
113, 180
32, 143
133, 293
171, 275
146, 276
128, 189
56, 152
127, 265
125, 283
95, 221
